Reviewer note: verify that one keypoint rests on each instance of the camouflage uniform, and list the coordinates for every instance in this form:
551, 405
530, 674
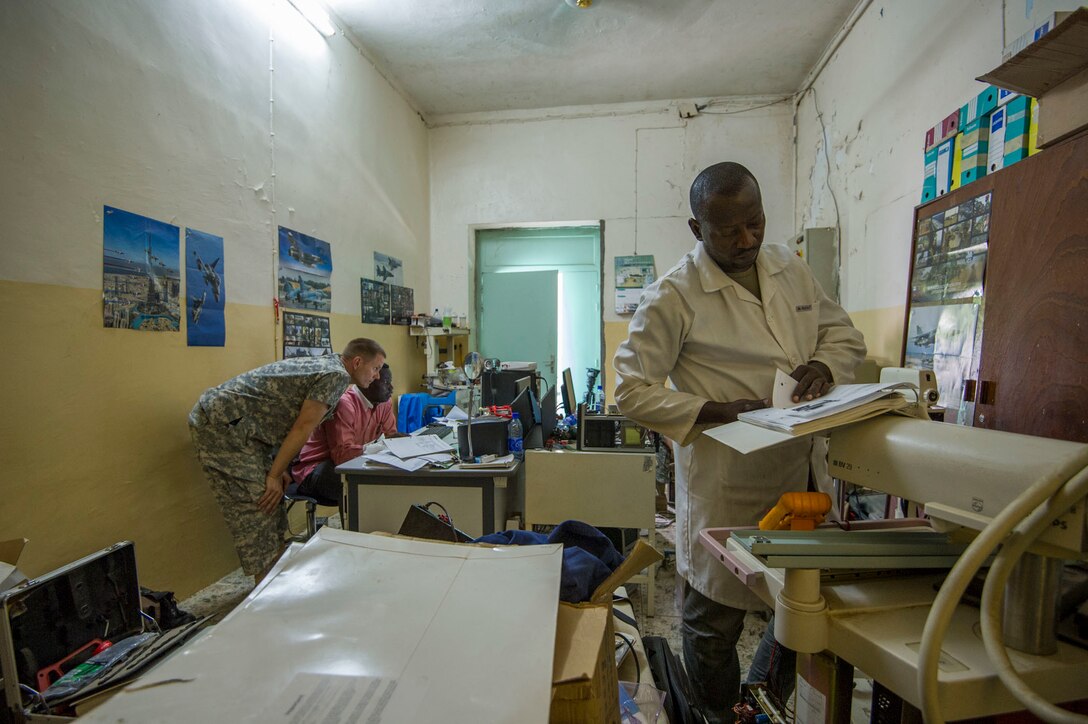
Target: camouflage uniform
237, 428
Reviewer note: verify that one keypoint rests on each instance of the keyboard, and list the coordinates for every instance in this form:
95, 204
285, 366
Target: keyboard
435, 428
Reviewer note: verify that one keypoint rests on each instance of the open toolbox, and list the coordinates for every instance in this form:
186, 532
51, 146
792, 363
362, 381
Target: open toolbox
53, 624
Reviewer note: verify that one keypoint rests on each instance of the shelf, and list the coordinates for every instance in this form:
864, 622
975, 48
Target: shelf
1048, 62
438, 331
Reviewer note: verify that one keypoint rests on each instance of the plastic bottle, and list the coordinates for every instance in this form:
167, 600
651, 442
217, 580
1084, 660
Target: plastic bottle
599, 402
514, 442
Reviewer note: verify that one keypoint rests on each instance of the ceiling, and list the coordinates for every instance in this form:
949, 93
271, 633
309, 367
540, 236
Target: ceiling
463, 56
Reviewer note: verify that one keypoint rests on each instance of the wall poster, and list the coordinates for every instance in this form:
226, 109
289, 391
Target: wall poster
633, 274
402, 304
946, 297
305, 273
141, 273
374, 299
388, 269
305, 335
205, 289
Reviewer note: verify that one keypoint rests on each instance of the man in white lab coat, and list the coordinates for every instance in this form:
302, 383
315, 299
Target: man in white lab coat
717, 326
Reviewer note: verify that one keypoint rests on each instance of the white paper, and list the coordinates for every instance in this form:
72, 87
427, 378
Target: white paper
784, 385
455, 414
410, 447
841, 397
329, 699
421, 614
745, 438
388, 458
490, 461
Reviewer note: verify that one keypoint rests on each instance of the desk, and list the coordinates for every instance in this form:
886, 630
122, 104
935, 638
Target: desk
377, 497
614, 490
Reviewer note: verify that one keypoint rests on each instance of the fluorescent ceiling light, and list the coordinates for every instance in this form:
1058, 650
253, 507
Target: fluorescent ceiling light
312, 11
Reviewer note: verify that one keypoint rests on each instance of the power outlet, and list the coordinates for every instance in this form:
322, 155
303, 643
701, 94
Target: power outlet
688, 110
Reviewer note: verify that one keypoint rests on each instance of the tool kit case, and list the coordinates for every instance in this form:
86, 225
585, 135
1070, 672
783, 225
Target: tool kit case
50, 625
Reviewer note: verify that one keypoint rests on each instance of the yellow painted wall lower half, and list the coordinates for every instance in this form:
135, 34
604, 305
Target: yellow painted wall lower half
94, 439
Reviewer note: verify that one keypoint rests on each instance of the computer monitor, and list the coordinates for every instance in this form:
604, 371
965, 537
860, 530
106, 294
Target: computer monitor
570, 403
524, 404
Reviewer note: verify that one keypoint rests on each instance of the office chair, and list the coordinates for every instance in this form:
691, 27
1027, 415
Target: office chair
292, 496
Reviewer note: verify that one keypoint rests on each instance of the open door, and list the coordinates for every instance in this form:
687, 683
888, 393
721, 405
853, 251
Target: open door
519, 318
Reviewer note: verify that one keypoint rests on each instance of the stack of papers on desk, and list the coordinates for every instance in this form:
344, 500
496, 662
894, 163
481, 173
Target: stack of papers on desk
409, 453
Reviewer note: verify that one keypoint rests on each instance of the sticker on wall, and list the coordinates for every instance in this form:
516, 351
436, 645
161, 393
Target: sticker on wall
402, 304
388, 269
374, 299
305, 274
141, 274
305, 335
205, 289
633, 274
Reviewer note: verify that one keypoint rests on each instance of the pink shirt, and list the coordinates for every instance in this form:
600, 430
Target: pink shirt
354, 423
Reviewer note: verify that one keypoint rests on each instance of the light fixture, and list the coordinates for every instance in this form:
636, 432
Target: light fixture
583, 4
316, 15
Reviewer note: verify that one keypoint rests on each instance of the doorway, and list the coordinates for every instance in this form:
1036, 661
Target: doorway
538, 298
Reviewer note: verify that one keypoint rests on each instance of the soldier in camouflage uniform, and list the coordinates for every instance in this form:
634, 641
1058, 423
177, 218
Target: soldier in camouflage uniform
248, 430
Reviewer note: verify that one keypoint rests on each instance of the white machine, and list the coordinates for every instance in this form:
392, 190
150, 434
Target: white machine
1022, 493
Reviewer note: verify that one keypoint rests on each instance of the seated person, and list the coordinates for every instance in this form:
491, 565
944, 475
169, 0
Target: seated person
362, 416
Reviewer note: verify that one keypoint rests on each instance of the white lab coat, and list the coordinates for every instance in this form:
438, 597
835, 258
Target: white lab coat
715, 341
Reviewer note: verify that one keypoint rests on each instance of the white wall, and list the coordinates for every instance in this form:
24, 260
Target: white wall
162, 108
604, 162
902, 68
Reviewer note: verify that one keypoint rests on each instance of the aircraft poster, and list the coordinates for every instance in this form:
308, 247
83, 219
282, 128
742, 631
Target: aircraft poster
374, 299
205, 289
305, 335
305, 273
388, 269
141, 274
402, 304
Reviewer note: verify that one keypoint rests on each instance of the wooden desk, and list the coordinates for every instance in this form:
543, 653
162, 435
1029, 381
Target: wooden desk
613, 490
377, 497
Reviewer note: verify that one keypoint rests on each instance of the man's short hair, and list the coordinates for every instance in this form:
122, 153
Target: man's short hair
363, 347
724, 179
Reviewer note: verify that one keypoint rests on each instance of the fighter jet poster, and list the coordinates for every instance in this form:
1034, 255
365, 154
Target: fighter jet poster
305, 272
388, 269
141, 274
205, 289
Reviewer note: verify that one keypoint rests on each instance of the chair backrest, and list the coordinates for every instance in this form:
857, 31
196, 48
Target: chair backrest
416, 409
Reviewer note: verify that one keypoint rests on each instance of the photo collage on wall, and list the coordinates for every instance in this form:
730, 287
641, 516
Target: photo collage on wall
305, 335
384, 299
943, 327
141, 278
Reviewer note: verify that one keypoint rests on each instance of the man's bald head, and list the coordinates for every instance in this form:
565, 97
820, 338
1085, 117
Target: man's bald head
722, 179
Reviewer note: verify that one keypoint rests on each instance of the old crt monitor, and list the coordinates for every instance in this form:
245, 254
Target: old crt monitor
570, 401
500, 387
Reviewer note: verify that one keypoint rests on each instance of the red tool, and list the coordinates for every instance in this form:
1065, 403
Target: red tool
53, 672
500, 411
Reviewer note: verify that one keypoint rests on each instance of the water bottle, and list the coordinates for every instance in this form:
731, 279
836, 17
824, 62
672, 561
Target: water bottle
600, 399
514, 442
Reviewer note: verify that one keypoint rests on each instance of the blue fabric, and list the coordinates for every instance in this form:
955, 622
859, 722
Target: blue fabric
416, 409
588, 555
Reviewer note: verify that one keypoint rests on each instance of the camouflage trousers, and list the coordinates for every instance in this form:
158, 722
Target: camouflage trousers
235, 466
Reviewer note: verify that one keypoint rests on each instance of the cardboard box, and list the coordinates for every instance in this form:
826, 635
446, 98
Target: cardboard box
1033, 128
957, 162
1004, 96
995, 156
976, 146
585, 686
1048, 23
929, 177
1017, 123
10, 550
1053, 69
947, 128
944, 166
978, 107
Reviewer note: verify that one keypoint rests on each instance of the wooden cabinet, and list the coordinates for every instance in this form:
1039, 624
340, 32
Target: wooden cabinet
1029, 369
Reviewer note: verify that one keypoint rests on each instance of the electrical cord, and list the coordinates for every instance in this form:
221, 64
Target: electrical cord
959, 577
992, 608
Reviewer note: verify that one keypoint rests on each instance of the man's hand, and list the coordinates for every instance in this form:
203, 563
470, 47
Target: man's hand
813, 380
728, 411
274, 486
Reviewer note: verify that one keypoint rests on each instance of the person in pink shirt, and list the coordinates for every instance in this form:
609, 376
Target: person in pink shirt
361, 417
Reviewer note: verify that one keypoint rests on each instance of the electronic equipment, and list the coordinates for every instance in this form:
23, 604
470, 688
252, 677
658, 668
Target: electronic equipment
611, 433
500, 387
570, 400
488, 436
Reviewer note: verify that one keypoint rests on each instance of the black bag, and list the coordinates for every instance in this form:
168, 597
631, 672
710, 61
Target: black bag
420, 522
163, 607
670, 677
